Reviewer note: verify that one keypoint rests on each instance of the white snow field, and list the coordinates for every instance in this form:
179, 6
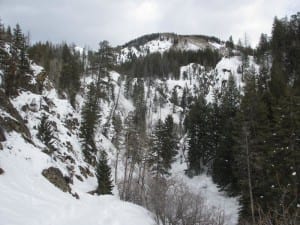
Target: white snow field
27, 198
204, 185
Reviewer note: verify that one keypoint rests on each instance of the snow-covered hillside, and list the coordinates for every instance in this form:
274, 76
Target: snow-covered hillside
165, 42
28, 198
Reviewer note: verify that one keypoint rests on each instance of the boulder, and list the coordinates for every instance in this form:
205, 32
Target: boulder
55, 176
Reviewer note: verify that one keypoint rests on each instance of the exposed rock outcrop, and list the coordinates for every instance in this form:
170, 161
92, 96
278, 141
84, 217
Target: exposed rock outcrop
11, 120
55, 176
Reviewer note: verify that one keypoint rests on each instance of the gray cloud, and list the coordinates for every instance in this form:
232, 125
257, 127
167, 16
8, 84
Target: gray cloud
86, 22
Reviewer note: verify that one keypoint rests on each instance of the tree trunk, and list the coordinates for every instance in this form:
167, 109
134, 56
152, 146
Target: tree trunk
249, 179
125, 175
116, 166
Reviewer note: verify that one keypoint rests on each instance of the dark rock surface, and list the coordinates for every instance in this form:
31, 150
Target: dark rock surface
55, 176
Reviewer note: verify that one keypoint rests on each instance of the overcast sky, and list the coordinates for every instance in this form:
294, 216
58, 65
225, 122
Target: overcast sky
86, 22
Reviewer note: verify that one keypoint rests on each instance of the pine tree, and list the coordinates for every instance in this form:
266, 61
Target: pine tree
45, 133
140, 104
278, 48
285, 155
90, 118
252, 148
198, 125
223, 165
18, 37
15, 64
103, 174
230, 45
155, 156
174, 98
183, 102
69, 80
8, 36
105, 59
263, 47
2, 36
163, 148
10, 72
66, 71
169, 144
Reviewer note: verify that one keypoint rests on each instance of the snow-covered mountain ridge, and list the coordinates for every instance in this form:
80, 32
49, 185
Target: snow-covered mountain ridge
162, 42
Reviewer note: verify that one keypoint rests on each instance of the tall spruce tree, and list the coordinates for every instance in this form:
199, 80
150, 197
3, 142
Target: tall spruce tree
45, 133
155, 158
69, 80
198, 125
253, 134
174, 98
284, 157
223, 165
103, 174
170, 143
90, 119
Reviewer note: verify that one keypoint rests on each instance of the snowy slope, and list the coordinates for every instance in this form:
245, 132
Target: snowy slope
25, 192
27, 198
204, 185
165, 42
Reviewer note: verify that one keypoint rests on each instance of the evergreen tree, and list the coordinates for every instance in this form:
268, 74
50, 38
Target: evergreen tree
230, 45
169, 145
284, 157
8, 36
174, 98
45, 133
90, 118
69, 80
103, 174
15, 64
223, 165
18, 37
140, 104
128, 87
155, 158
253, 146
66, 72
263, 47
278, 47
2, 43
198, 125
105, 59
183, 102
163, 148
